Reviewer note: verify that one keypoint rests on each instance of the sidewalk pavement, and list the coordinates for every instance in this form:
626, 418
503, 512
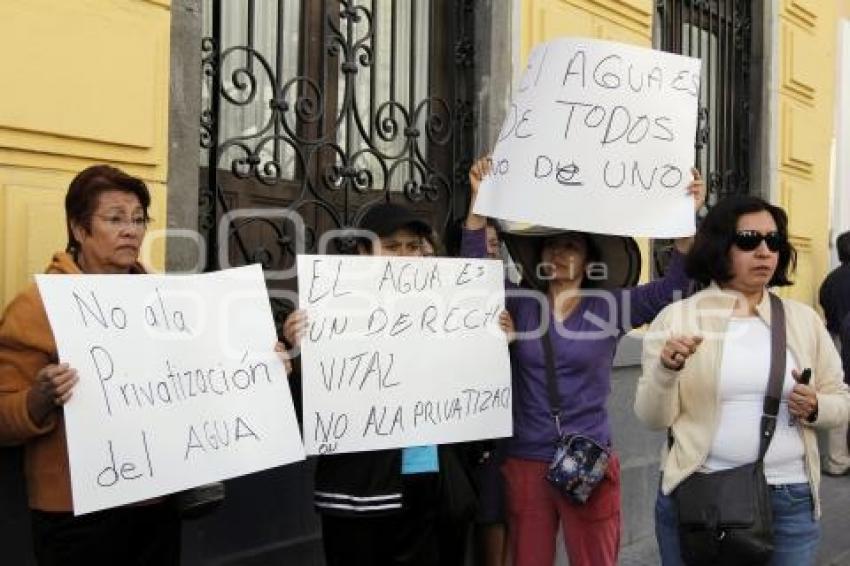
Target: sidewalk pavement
835, 530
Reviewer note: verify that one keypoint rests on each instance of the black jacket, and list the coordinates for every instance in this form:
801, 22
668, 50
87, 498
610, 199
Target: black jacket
370, 483
845, 347
359, 483
835, 297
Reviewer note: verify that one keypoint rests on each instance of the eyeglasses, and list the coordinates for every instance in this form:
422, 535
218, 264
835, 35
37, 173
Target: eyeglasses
117, 222
748, 240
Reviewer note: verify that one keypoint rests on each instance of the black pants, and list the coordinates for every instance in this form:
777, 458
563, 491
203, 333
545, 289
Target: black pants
408, 538
133, 536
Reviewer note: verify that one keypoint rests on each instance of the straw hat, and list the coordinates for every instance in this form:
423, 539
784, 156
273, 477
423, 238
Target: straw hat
620, 254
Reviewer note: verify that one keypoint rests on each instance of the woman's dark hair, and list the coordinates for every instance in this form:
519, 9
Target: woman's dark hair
708, 259
842, 244
436, 243
85, 190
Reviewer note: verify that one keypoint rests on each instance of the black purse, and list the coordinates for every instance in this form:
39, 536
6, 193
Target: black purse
726, 517
580, 462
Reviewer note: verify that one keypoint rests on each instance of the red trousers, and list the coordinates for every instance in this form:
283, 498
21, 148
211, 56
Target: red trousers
535, 509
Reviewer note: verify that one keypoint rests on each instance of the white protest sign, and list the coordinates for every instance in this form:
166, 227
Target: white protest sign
402, 352
599, 138
179, 385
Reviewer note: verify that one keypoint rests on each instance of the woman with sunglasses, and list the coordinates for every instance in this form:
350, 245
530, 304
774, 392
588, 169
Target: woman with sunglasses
706, 363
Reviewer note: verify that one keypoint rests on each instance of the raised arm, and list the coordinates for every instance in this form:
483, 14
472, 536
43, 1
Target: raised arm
639, 305
479, 170
474, 238
696, 188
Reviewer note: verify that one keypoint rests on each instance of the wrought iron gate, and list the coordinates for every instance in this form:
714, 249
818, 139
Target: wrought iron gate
725, 34
314, 110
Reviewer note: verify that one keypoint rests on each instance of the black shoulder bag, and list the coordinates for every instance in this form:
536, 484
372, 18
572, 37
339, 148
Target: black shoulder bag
725, 517
580, 462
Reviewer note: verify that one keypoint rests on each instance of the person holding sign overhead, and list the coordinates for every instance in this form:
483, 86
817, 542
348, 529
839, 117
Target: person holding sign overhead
571, 331
388, 507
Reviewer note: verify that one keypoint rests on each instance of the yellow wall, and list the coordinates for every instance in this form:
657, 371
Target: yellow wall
85, 81
806, 36
627, 21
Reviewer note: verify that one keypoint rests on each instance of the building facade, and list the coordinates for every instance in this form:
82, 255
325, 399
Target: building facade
322, 107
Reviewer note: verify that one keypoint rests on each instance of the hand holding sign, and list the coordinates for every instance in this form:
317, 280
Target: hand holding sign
477, 173
53, 388
696, 189
480, 169
506, 323
294, 327
283, 355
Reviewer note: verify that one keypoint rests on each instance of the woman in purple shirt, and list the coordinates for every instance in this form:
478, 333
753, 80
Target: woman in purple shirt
588, 314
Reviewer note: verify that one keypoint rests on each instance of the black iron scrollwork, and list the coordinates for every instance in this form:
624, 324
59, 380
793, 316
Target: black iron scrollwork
340, 148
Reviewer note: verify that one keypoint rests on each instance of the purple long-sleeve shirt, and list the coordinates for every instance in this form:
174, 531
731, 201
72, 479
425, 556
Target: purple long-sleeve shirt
584, 349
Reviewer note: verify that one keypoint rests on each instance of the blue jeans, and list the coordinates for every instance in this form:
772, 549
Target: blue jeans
796, 533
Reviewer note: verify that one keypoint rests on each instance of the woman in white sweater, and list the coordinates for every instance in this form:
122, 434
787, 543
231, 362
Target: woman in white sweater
705, 371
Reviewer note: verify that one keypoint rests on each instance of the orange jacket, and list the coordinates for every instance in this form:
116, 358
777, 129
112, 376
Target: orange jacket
26, 346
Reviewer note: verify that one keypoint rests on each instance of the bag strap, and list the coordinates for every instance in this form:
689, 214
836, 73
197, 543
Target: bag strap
773, 395
549, 355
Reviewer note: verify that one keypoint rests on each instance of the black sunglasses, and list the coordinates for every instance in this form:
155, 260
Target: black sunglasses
748, 240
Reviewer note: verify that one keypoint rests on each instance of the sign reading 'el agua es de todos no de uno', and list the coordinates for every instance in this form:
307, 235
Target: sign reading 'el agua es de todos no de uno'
599, 138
